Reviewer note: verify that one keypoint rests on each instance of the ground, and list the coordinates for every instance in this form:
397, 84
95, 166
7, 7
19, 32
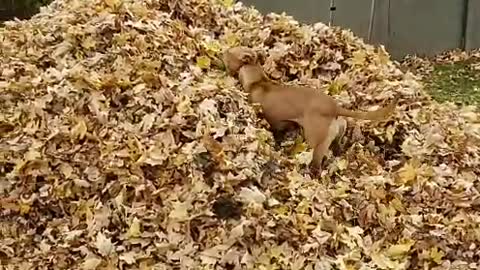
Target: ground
456, 82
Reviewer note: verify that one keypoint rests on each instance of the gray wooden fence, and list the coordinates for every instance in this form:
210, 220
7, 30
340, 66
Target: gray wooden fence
425, 27
422, 27
10, 9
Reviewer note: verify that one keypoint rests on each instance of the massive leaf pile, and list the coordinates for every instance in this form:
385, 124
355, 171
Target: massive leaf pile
124, 145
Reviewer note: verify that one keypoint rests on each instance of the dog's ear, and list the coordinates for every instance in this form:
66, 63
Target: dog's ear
236, 57
248, 57
244, 54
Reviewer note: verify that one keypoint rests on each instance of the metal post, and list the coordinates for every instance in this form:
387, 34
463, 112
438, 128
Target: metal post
463, 41
372, 20
332, 9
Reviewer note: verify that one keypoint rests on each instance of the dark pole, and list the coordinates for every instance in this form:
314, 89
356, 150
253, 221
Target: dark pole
372, 20
463, 42
332, 10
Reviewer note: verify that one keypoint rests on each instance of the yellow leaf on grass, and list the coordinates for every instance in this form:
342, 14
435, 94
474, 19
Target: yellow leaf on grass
203, 62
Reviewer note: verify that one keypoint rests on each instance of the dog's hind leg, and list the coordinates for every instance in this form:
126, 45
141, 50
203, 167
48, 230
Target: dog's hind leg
318, 135
339, 127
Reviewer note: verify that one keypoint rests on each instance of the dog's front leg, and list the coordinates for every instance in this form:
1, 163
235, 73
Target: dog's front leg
278, 128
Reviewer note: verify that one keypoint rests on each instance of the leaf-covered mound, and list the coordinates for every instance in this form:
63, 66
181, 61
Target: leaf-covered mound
124, 145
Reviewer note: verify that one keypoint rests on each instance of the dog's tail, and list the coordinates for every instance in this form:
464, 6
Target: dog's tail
377, 115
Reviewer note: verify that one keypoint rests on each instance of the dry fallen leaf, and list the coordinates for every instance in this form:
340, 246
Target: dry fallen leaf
103, 244
91, 263
120, 132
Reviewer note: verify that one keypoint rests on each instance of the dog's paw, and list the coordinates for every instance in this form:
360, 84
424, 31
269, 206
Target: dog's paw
315, 172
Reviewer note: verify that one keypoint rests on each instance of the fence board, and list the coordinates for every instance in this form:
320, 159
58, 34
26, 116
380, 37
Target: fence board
425, 27
472, 39
10, 9
307, 11
353, 15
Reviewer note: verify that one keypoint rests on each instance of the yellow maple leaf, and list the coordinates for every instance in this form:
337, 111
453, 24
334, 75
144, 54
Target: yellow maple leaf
341, 164
231, 39
212, 47
88, 43
134, 230
139, 10
66, 170
227, 3
383, 261
298, 146
358, 58
80, 130
180, 159
407, 174
436, 255
282, 210
335, 87
398, 205
338, 85
303, 207
203, 62
24, 208
391, 130
276, 252
112, 3
400, 250
382, 57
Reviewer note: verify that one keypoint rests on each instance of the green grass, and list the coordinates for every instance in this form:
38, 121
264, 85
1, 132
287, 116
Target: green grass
456, 82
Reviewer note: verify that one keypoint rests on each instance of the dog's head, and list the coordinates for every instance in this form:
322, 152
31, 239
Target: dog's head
249, 75
236, 57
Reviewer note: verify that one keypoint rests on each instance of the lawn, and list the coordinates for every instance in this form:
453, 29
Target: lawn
453, 76
457, 82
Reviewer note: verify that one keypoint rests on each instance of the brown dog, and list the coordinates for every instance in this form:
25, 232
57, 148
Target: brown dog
315, 111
